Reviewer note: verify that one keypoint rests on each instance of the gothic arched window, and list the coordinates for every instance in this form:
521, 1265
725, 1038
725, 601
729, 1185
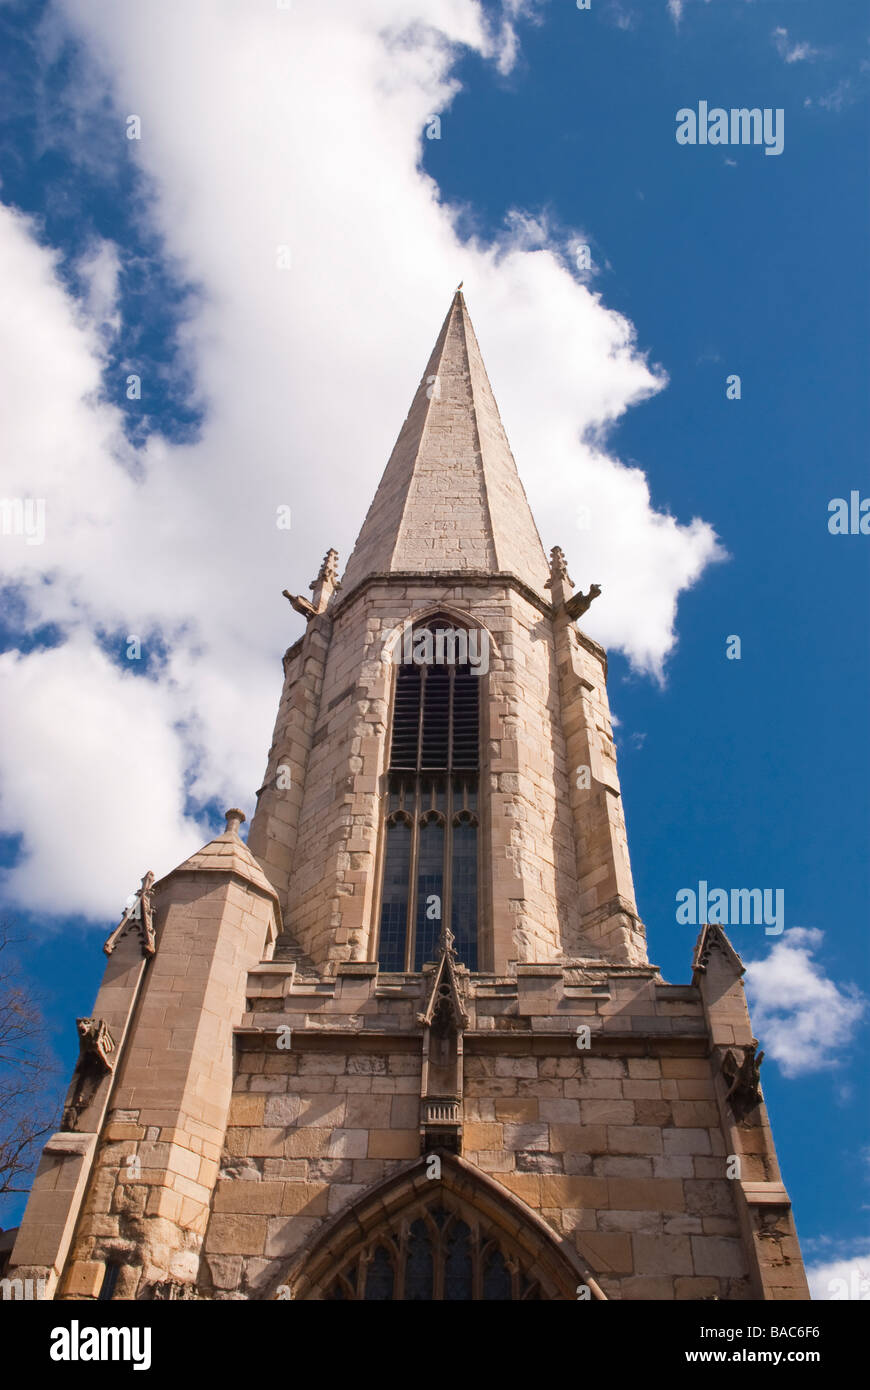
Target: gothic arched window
453, 1236
430, 857
436, 1257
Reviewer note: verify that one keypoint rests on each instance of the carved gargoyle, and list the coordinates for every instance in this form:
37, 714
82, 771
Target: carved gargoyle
96, 1046
96, 1043
301, 605
576, 606
744, 1079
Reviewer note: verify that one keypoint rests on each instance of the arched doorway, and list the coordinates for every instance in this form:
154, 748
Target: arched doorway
459, 1237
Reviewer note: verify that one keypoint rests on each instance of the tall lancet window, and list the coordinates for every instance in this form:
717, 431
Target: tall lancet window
430, 860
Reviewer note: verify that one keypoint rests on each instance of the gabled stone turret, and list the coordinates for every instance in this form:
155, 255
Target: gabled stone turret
141, 1159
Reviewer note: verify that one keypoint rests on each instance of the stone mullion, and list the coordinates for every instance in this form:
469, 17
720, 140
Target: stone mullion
362, 1271
410, 929
401, 1261
447, 886
411, 919
476, 1265
438, 1256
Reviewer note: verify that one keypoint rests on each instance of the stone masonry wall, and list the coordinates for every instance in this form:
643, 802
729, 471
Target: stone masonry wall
529, 863
620, 1146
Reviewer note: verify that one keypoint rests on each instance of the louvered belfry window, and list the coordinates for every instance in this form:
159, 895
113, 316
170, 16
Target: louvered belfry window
430, 861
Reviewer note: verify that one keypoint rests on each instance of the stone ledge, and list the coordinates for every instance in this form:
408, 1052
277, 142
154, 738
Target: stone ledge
330, 1040
448, 579
760, 1194
68, 1142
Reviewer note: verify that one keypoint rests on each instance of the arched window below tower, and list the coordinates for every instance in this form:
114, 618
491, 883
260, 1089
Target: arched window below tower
431, 821
438, 1257
455, 1237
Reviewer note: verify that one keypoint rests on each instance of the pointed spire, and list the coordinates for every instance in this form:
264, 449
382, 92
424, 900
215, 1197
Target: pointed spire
450, 498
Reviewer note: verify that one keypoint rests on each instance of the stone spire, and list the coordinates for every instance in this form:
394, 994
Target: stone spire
450, 498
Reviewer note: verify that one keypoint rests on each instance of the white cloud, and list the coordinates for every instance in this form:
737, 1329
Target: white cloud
804, 1020
839, 96
792, 52
99, 268
676, 10
841, 1279
93, 779
622, 18
262, 127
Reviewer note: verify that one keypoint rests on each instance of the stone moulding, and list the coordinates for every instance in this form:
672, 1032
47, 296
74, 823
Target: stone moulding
140, 914
66, 1143
557, 1265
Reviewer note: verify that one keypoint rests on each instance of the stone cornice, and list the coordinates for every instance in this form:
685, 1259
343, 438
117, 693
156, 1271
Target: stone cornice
457, 579
452, 579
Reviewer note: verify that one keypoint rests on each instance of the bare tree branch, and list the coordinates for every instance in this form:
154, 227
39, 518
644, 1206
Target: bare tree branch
29, 1106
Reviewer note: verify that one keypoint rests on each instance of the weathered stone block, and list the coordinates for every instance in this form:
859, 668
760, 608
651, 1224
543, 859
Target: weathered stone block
85, 1278
237, 1235
482, 1136
686, 1141
532, 1136
606, 1252
348, 1143
634, 1139
654, 1194
304, 1199
570, 1191
389, 1143
662, 1254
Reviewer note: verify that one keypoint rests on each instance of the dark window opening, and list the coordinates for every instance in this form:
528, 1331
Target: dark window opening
431, 849
432, 1257
110, 1279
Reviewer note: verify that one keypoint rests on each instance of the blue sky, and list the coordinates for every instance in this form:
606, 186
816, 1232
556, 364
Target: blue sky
156, 256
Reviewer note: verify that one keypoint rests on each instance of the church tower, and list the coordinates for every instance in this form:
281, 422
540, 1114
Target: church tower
406, 1044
